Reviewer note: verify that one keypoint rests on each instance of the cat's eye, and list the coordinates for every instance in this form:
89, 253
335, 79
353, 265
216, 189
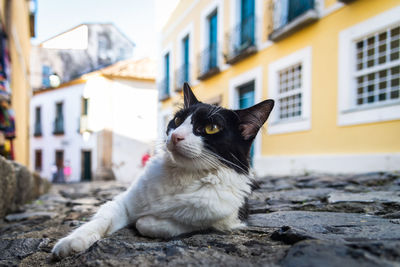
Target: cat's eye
177, 121
212, 129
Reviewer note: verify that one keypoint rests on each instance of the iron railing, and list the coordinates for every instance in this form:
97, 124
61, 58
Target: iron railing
58, 125
182, 75
286, 11
241, 40
37, 131
208, 62
163, 89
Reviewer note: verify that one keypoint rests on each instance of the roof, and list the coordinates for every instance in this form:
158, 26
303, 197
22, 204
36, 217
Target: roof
142, 69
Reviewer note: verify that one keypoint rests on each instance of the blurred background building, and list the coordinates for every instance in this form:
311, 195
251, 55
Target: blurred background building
332, 66
96, 127
85, 48
17, 26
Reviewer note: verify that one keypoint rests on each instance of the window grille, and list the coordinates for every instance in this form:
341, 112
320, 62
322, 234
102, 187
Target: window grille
290, 87
378, 67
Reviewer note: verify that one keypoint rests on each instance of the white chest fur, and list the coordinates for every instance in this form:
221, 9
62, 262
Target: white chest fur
195, 198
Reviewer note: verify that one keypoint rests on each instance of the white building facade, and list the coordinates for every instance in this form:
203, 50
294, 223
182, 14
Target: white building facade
106, 120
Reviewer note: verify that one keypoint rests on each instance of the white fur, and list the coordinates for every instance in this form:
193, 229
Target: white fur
181, 190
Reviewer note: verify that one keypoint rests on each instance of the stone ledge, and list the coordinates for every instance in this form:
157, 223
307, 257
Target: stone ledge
18, 186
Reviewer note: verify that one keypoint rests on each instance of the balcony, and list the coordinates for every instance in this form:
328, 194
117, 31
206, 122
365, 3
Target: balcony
290, 16
182, 75
241, 41
208, 62
37, 130
163, 89
58, 126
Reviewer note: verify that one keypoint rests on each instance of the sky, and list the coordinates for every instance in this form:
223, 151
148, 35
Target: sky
139, 20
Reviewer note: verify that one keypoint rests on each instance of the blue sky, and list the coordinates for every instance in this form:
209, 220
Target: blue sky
135, 18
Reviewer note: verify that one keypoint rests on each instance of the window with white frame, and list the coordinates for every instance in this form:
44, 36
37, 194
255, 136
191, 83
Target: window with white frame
289, 84
377, 67
369, 70
289, 97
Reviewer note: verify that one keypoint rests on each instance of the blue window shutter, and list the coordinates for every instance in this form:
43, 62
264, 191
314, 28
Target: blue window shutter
186, 58
213, 40
166, 63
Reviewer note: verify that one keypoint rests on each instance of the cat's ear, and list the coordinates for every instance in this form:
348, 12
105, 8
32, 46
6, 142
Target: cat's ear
188, 96
253, 118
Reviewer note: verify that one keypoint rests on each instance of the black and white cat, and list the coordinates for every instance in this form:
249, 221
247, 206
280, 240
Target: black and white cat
199, 181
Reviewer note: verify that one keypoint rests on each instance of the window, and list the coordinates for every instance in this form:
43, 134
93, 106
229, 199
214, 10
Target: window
185, 51
182, 74
241, 39
289, 96
85, 106
38, 160
164, 84
289, 16
246, 99
377, 67
208, 57
46, 72
245, 90
59, 120
290, 86
369, 70
37, 131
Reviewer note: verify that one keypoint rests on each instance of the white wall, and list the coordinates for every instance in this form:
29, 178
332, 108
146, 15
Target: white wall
134, 118
71, 142
127, 108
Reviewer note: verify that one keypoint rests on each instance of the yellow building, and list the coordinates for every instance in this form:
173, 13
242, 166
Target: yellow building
332, 68
16, 27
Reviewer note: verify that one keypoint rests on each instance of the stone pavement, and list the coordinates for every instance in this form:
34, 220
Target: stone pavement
312, 220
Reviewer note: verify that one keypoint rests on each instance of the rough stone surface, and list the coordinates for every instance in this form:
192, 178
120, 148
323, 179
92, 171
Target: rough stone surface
7, 186
18, 186
293, 222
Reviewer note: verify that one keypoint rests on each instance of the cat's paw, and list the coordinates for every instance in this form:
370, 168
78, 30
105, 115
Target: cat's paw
72, 244
210, 179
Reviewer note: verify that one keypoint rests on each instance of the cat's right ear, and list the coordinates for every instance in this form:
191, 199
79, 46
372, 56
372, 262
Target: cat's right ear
252, 118
188, 96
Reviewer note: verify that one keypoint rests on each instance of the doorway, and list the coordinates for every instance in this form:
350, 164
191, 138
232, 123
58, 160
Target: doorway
86, 166
246, 99
58, 176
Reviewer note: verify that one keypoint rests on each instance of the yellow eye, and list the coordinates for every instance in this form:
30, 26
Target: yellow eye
212, 129
177, 121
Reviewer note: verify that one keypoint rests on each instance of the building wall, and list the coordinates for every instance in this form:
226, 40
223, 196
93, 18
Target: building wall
19, 44
324, 145
71, 142
134, 127
123, 107
103, 45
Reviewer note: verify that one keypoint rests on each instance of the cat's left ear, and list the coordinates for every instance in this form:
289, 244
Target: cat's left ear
253, 118
188, 96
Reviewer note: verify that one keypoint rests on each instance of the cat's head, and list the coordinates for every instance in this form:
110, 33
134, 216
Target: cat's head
203, 136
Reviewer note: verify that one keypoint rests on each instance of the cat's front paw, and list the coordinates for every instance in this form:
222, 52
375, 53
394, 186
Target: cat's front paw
72, 244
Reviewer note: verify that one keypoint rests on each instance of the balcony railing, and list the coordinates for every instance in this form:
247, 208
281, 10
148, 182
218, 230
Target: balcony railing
182, 75
163, 89
59, 126
37, 131
208, 62
290, 16
241, 41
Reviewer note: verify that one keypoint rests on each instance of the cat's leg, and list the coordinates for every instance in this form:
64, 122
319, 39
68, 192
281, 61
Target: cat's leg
111, 217
161, 228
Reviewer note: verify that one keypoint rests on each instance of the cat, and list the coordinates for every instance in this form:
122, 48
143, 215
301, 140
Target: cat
199, 181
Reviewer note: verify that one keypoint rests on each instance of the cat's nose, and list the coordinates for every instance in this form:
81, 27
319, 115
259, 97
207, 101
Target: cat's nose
176, 138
